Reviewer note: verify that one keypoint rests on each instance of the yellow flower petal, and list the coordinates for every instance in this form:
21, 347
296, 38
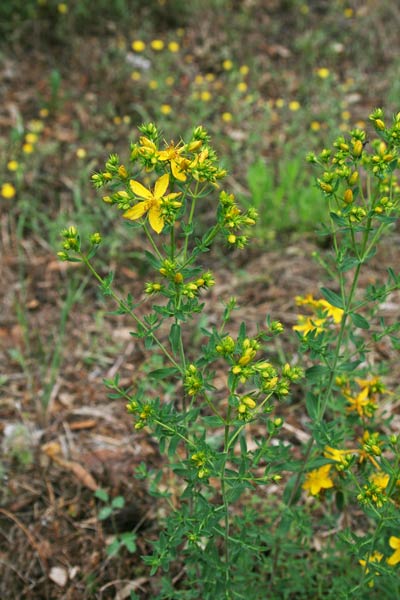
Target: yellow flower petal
155, 218
161, 186
139, 189
136, 211
176, 172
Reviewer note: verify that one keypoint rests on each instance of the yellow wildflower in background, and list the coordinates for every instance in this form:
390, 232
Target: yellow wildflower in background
27, 148
323, 73
138, 45
8, 191
173, 47
152, 202
244, 70
205, 96
294, 105
136, 75
12, 165
62, 8
279, 103
227, 65
153, 84
315, 125
242, 86
157, 45
227, 117
362, 404
31, 138
165, 109
81, 153
394, 542
318, 480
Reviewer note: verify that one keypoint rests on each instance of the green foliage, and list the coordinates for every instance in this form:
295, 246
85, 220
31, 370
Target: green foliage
284, 196
223, 444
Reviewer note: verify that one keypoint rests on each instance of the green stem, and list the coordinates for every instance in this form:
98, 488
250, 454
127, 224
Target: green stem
130, 312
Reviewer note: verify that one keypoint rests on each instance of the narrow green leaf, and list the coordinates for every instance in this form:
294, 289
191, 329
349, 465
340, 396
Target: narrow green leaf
175, 338
359, 321
332, 297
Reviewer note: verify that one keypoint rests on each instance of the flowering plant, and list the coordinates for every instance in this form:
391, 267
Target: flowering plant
222, 427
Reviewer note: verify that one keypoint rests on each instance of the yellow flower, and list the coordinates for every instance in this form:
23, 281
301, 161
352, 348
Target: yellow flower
380, 479
315, 125
138, 45
375, 557
44, 112
242, 86
173, 47
336, 455
308, 324
348, 13
244, 70
81, 153
323, 73
205, 96
227, 117
8, 190
169, 80
165, 109
394, 542
227, 65
12, 165
362, 404
136, 75
280, 103
210, 77
27, 148
157, 45
152, 202
62, 8
31, 138
294, 105
318, 479
332, 311
153, 84
172, 153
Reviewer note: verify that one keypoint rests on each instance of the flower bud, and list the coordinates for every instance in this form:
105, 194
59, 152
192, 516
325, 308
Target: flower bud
348, 196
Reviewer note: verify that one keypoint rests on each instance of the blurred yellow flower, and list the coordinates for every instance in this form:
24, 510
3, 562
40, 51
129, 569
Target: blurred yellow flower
153, 84
12, 165
199, 79
394, 542
165, 109
294, 105
27, 148
62, 8
323, 73
227, 117
210, 77
136, 75
157, 45
169, 80
205, 96
173, 47
348, 13
315, 125
242, 86
307, 324
244, 70
31, 138
279, 103
138, 45
81, 153
380, 479
227, 65
44, 112
8, 191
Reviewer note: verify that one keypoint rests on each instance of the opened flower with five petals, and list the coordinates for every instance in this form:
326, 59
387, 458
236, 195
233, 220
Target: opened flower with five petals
152, 203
